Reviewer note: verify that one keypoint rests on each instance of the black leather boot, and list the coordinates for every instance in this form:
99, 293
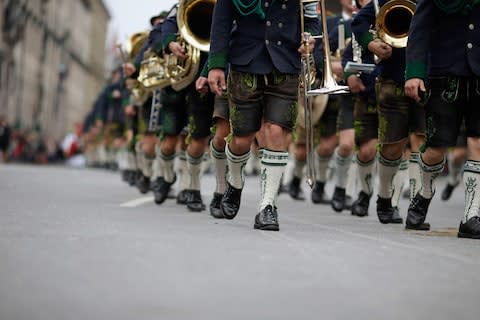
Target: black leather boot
215, 209
318, 193
161, 189
470, 229
417, 213
360, 206
294, 189
338, 199
194, 201
267, 219
384, 210
231, 202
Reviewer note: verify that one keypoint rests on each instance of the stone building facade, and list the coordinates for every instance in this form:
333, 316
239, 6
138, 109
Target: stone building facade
51, 62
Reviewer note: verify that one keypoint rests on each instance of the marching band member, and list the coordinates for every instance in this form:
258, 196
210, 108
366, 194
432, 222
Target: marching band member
398, 115
449, 67
262, 85
187, 107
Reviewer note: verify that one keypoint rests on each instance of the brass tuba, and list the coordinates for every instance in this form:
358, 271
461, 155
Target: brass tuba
393, 21
134, 44
194, 19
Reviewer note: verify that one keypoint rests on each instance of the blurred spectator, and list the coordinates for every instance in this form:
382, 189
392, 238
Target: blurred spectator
4, 139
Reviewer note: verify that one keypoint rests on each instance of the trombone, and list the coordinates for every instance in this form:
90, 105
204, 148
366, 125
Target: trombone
328, 86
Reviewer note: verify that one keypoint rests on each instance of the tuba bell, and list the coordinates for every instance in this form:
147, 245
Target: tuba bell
393, 21
194, 19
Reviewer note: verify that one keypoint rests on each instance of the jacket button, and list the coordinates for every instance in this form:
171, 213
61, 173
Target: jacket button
284, 6
469, 45
471, 26
279, 43
268, 23
280, 25
267, 4
267, 42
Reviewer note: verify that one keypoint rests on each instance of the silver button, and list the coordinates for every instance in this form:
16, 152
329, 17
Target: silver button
267, 4
284, 6
268, 23
279, 43
469, 45
280, 25
267, 42
471, 26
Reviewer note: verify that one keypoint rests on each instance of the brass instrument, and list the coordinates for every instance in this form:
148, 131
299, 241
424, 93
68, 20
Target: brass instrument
328, 86
194, 19
152, 72
135, 42
393, 21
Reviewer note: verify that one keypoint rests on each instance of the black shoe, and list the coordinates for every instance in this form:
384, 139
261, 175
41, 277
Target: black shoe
125, 175
318, 193
396, 218
360, 206
348, 203
447, 192
470, 229
143, 184
215, 210
384, 210
194, 201
417, 213
338, 199
161, 189
267, 219
182, 197
132, 177
231, 202
294, 189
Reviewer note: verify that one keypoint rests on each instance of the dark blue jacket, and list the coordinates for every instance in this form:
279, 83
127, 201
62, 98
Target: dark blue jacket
110, 109
443, 44
393, 68
259, 45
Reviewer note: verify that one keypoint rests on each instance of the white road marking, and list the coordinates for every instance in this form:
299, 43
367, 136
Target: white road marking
137, 202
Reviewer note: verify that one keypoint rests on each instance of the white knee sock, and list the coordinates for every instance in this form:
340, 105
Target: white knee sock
414, 174
273, 166
428, 174
219, 159
399, 182
166, 163
471, 179
341, 168
386, 171
236, 165
454, 175
194, 167
365, 175
182, 171
321, 169
298, 166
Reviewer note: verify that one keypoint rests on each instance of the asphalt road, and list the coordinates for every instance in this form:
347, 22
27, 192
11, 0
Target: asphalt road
81, 244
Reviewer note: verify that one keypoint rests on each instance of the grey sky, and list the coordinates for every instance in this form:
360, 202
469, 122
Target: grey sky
130, 16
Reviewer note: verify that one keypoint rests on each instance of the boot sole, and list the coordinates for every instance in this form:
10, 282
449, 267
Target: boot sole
422, 227
268, 227
468, 235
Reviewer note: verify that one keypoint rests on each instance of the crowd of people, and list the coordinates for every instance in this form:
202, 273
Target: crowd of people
409, 105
